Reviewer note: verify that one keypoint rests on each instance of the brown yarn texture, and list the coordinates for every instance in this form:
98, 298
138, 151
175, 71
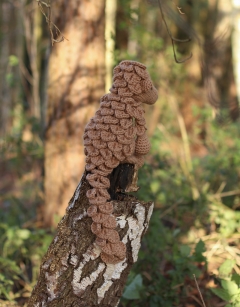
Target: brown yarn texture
116, 134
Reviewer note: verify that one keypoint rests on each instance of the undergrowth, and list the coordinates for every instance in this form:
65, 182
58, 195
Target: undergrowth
22, 243
193, 230
188, 235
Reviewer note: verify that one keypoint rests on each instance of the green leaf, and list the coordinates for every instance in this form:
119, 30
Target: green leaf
23, 233
226, 268
199, 250
153, 304
13, 60
9, 265
236, 279
154, 186
176, 232
222, 293
133, 290
200, 247
229, 286
185, 250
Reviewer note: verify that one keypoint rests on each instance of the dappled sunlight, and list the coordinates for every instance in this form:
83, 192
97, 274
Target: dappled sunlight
49, 93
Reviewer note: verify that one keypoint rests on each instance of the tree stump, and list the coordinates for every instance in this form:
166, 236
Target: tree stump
72, 274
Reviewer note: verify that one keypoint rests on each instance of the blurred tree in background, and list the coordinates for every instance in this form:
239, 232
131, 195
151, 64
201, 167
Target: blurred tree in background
48, 93
75, 84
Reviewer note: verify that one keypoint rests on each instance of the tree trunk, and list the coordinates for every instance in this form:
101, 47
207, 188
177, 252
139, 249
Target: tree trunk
11, 44
72, 273
110, 32
220, 73
236, 44
76, 82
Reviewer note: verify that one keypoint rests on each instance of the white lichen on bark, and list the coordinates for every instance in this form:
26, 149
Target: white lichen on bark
121, 221
136, 226
52, 282
89, 280
52, 276
117, 303
150, 211
113, 272
73, 260
79, 217
92, 253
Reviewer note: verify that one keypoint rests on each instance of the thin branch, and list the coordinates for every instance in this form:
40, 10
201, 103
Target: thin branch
48, 18
25, 72
171, 208
180, 10
173, 39
204, 305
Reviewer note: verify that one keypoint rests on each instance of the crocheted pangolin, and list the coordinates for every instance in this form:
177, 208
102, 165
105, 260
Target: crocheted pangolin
116, 134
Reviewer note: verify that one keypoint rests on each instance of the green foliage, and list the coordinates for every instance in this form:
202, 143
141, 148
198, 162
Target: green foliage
13, 61
22, 140
227, 219
134, 289
22, 244
169, 182
153, 286
170, 256
172, 250
9, 273
230, 290
20, 255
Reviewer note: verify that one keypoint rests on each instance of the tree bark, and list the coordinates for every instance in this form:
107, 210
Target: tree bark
72, 273
11, 44
222, 90
76, 83
236, 44
110, 32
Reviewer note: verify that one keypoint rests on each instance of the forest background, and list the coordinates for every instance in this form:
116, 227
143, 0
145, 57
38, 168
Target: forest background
47, 95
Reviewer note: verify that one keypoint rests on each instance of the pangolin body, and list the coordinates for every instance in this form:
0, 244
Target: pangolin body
116, 134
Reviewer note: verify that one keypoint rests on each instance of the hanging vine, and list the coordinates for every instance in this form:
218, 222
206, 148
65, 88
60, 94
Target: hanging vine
56, 37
